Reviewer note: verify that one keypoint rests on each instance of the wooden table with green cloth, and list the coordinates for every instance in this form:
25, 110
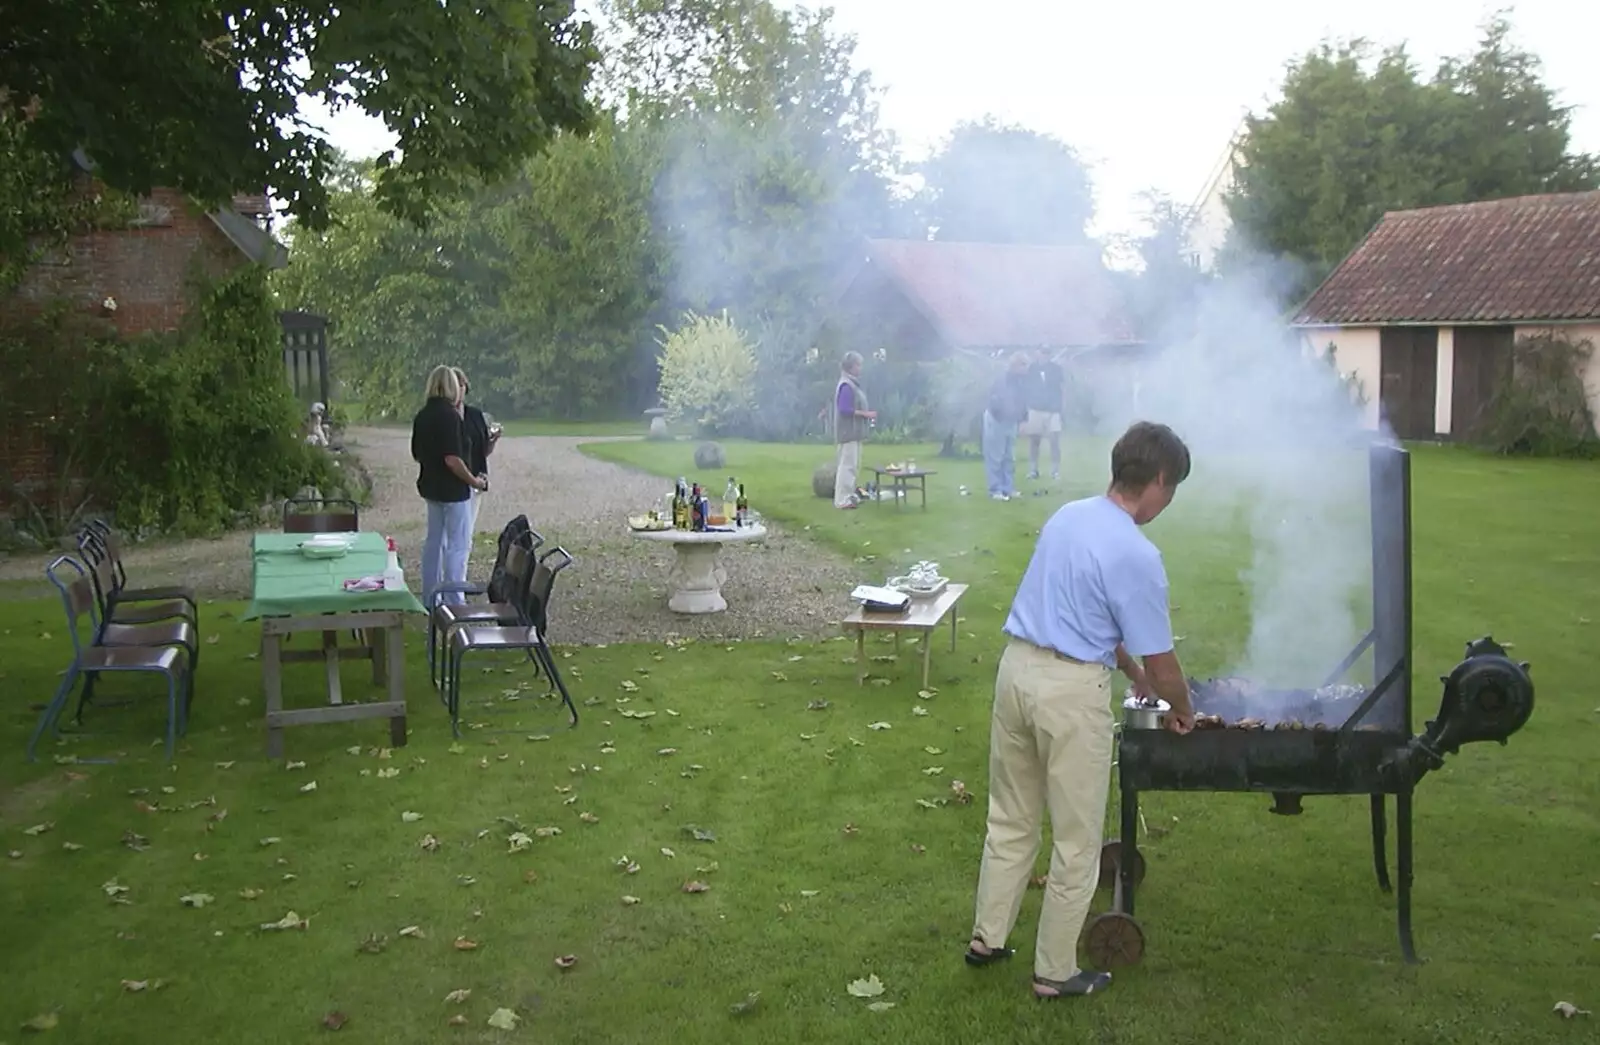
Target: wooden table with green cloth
295, 592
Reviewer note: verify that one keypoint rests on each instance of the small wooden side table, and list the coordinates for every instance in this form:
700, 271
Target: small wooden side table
922, 615
901, 482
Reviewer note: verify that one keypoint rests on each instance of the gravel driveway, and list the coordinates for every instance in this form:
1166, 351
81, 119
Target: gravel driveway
616, 591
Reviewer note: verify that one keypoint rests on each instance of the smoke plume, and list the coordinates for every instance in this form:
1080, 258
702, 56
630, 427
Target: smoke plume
1278, 446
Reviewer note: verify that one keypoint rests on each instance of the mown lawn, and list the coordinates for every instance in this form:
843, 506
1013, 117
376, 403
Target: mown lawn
823, 868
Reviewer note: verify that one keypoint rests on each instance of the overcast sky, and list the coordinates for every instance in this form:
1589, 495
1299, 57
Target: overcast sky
1148, 91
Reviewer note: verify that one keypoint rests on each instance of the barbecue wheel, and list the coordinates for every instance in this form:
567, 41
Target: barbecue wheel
1114, 940
1110, 855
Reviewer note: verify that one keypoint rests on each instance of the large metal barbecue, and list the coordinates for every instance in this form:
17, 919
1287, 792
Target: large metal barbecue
1335, 739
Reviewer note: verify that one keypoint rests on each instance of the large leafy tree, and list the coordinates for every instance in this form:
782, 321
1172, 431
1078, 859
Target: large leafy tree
204, 95
1352, 137
997, 183
773, 166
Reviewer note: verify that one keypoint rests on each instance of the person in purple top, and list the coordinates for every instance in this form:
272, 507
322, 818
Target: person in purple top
1092, 600
852, 417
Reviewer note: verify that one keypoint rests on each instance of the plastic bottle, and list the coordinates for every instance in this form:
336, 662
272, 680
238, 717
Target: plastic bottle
394, 578
730, 503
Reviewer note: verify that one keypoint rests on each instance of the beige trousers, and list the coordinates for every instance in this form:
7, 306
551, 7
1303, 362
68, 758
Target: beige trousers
844, 478
1049, 748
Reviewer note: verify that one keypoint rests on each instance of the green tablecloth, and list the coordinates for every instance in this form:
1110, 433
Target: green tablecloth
289, 584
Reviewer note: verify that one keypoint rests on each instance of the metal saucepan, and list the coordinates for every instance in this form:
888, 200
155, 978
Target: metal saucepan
1138, 713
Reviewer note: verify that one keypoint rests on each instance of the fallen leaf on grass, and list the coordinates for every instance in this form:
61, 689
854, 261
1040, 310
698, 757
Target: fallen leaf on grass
288, 921
307, 788
933, 803
630, 686
882, 682
710, 868
39, 829
927, 694
504, 1019
42, 1022
389, 773
196, 899
879, 725
14, 854
409, 817
458, 996
918, 709
457, 1020
464, 944
138, 843
546, 832
817, 705
377, 943
294, 765
629, 901
748, 1005
696, 887
270, 841
71, 847
959, 790
701, 834
566, 961
114, 888
880, 1006
919, 849
808, 893
933, 771
430, 843
1569, 1010
249, 894
519, 841
335, 1020
778, 676
668, 853
413, 931
850, 829
934, 750
870, 987
139, 986
667, 751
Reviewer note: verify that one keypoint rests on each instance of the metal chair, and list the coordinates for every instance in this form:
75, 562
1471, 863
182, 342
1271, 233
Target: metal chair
105, 543
346, 520
446, 617
119, 610
502, 591
181, 633
90, 659
527, 634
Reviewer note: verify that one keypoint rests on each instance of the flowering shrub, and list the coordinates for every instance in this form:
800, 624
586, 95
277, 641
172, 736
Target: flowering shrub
708, 372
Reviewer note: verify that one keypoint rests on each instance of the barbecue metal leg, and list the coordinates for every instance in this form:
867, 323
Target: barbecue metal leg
1128, 857
1402, 844
1380, 832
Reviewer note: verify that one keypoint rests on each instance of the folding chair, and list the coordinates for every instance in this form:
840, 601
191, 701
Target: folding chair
92, 658
105, 543
321, 520
527, 634
502, 591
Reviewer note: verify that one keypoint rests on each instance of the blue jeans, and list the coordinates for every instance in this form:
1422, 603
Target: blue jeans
999, 446
445, 548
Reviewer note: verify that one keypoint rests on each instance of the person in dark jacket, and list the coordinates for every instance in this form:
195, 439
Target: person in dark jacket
1008, 407
445, 482
1046, 380
482, 437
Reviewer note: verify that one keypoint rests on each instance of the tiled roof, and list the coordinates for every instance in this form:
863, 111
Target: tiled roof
1002, 295
1527, 259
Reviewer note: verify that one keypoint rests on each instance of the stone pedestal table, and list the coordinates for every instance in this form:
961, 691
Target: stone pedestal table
697, 574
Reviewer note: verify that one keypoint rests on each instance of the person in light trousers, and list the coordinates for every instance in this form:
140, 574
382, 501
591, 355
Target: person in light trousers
1093, 599
852, 417
440, 447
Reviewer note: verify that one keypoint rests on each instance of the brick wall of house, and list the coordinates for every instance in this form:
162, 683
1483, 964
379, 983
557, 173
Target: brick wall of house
145, 269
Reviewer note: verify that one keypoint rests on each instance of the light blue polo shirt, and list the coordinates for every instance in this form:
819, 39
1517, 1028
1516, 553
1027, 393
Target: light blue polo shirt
1095, 580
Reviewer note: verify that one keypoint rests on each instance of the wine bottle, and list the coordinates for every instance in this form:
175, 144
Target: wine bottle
742, 508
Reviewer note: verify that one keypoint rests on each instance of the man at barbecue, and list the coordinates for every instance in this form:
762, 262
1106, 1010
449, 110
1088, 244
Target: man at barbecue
1093, 599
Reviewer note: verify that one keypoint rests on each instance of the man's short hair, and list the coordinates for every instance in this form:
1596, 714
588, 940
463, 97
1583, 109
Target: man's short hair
850, 359
1147, 452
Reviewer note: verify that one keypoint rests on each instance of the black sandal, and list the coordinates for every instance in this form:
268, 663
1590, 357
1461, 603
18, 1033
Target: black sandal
1085, 982
994, 954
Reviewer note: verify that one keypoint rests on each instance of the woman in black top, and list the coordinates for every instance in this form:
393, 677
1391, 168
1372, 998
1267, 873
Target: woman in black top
481, 440
440, 447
